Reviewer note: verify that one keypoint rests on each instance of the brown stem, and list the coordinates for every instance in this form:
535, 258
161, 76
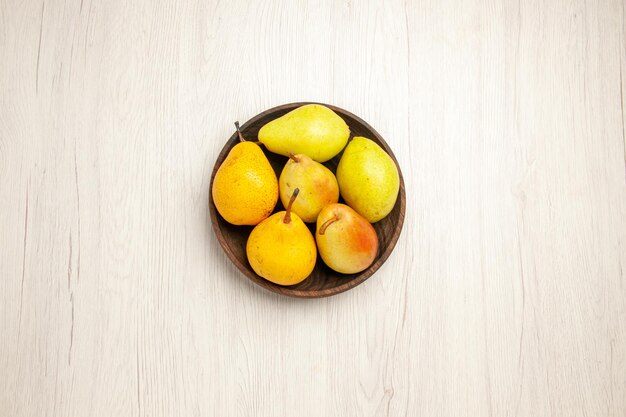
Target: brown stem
287, 218
241, 139
293, 157
328, 223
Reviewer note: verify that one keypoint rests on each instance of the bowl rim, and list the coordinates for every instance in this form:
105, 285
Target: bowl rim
286, 290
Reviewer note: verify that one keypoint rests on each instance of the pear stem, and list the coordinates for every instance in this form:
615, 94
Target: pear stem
293, 157
287, 218
328, 223
241, 139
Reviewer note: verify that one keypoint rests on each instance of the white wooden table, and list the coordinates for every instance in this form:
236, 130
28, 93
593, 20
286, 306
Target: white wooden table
506, 294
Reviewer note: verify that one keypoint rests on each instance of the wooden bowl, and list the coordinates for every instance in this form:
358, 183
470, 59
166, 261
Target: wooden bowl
323, 281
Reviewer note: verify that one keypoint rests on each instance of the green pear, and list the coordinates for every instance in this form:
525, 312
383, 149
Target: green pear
317, 184
368, 179
312, 129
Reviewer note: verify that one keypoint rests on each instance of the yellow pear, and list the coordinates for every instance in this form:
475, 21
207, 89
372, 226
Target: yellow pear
368, 179
317, 184
281, 248
312, 129
245, 188
346, 241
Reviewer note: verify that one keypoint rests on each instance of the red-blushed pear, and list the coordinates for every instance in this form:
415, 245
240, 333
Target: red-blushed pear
346, 241
317, 184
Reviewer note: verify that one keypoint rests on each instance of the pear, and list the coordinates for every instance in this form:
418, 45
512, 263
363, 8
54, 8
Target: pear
281, 248
312, 129
368, 179
347, 242
317, 184
245, 188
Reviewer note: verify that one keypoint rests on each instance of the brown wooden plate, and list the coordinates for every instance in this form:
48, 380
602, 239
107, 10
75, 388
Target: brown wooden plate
323, 281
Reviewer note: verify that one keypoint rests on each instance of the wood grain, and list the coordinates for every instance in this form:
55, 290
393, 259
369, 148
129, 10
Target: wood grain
505, 295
